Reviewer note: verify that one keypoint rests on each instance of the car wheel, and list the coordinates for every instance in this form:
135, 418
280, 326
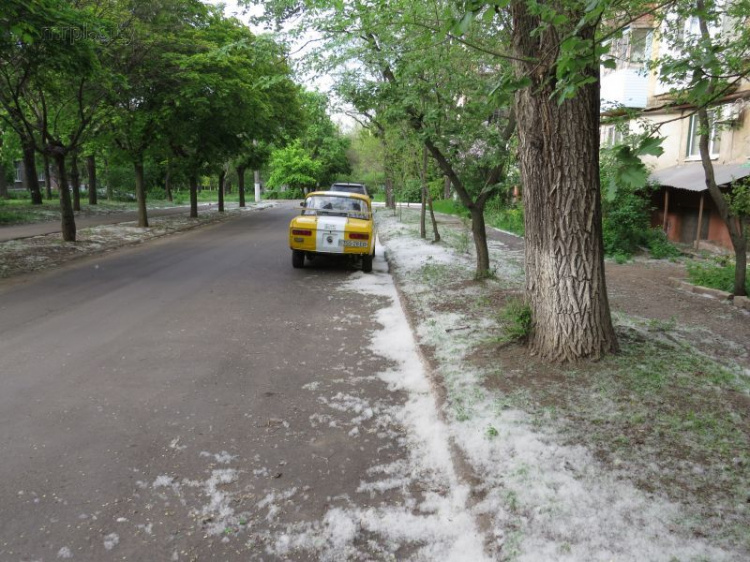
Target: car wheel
367, 263
298, 258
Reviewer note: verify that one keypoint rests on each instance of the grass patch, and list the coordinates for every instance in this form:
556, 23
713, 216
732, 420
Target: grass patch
716, 274
496, 215
15, 217
515, 320
677, 422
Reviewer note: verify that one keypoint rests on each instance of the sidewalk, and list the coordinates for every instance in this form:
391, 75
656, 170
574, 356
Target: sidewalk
642, 455
15, 232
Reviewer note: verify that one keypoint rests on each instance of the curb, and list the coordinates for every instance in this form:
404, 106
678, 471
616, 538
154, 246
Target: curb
739, 302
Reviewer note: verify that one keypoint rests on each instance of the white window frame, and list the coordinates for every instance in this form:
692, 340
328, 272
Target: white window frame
692, 150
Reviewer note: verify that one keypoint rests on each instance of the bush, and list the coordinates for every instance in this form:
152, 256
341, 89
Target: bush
450, 207
156, 193
508, 218
517, 321
294, 193
718, 274
659, 246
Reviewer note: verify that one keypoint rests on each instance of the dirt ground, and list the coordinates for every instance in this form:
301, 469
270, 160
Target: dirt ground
642, 288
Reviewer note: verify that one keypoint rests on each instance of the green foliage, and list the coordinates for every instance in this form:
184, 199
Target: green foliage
516, 321
740, 198
717, 274
450, 207
292, 166
626, 207
288, 194
659, 245
505, 217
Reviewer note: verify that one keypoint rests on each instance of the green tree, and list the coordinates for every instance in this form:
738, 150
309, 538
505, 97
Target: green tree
322, 139
53, 61
293, 166
220, 101
409, 72
704, 67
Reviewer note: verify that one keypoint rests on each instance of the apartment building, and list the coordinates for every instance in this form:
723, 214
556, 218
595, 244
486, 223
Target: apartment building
683, 206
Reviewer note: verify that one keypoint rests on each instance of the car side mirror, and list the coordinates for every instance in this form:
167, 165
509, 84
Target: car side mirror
303, 204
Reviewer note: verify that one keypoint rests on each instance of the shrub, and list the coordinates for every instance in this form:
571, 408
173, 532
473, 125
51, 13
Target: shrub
626, 222
156, 193
295, 193
718, 274
516, 320
659, 246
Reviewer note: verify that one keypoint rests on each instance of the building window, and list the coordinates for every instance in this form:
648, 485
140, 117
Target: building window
612, 135
714, 141
633, 49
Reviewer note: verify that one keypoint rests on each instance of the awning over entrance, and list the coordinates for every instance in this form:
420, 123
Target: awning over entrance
692, 178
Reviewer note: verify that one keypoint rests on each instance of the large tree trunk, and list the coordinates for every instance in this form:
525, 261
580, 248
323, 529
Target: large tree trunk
447, 188
423, 198
193, 181
390, 199
30, 177
222, 182
241, 184
733, 224
91, 172
3, 182
140, 193
168, 183
75, 179
47, 177
559, 161
68, 221
427, 198
110, 189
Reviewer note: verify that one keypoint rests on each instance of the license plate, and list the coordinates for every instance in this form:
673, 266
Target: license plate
353, 243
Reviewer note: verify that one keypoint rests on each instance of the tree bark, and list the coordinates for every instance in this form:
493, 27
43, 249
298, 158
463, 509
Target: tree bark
3, 182
75, 180
559, 161
423, 198
140, 193
241, 184
30, 176
222, 181
110, 189
68, 222
91, 172
447, 188
167, 183
193, 181
47, 177
733, 224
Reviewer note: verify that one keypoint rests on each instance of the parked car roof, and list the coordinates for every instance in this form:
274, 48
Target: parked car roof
349, 187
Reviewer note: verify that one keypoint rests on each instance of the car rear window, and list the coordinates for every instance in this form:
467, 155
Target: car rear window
333, 205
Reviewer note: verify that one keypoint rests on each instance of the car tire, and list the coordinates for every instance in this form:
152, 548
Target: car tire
367, 263
298, 259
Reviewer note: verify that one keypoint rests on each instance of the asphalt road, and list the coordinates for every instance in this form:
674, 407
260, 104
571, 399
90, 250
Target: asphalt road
189, 399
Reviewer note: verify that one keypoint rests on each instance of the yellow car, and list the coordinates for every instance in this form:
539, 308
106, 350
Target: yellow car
333, 223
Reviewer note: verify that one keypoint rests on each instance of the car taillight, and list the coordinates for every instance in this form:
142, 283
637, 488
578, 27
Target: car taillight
300, 232
359, 236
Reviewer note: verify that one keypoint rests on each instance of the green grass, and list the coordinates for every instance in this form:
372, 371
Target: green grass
509, 219
675, 420
717, 274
